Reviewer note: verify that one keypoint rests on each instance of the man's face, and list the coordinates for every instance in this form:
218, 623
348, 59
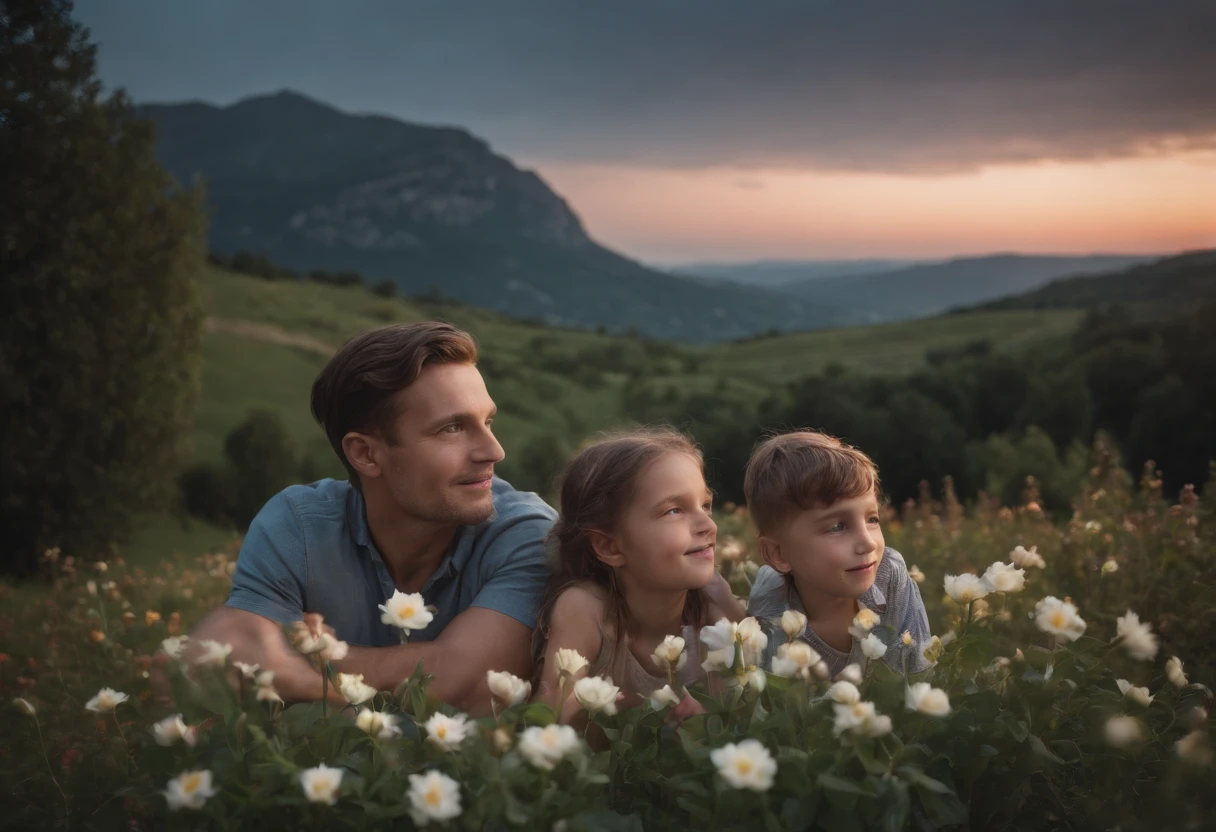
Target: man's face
440, 461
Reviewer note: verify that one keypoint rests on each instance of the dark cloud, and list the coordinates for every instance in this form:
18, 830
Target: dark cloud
901, 85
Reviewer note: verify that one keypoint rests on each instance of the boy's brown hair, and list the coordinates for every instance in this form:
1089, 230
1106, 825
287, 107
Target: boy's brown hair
792, 472
355, 390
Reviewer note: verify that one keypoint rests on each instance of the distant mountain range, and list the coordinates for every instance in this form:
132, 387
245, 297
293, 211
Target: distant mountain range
1165, 285
434, 208
933, 288
778, 273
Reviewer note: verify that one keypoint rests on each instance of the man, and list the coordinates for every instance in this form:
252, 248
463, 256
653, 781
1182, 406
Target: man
407, 412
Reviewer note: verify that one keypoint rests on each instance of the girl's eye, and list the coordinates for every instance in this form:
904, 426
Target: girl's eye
838, 527
671, 510
708, 506
874, 520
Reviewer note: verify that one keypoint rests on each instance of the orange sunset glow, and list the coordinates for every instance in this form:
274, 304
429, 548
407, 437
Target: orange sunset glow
1137, 205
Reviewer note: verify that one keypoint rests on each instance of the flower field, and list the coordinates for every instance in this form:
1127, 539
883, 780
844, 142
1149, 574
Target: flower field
1071, 691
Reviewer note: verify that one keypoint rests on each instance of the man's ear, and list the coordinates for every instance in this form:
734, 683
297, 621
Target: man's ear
770, 550
605, 548
361, 452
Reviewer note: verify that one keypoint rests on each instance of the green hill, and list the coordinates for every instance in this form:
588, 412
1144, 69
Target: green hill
267, 340
1163, 286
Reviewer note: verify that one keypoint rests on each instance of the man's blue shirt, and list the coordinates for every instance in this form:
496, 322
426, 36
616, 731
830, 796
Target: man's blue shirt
309, 550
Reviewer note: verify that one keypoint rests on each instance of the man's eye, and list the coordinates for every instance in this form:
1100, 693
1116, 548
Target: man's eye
452, 428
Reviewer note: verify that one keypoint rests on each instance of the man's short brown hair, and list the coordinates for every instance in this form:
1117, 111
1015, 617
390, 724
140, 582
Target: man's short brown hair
792, 472
355, 390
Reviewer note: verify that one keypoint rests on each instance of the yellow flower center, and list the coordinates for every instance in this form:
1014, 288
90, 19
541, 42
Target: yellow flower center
1059, 619
407, 612
432, 796
192, 782
743, 766
441, 732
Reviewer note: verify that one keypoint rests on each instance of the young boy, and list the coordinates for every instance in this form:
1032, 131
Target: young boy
814, 501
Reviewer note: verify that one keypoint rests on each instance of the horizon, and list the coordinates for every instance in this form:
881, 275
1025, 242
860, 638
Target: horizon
761, 134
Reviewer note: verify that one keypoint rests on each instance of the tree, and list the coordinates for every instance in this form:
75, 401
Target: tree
100, 328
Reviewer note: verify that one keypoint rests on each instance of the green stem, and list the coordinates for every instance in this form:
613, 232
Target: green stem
67, 807
325, 691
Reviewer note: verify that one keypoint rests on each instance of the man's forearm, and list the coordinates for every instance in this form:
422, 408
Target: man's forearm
384, 668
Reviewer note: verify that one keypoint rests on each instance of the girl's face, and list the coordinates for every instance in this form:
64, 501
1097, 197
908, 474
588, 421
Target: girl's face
666, 535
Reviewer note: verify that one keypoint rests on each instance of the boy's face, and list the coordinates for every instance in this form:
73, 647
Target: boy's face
831, 551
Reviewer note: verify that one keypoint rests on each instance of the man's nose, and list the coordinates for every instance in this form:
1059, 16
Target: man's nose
488, 449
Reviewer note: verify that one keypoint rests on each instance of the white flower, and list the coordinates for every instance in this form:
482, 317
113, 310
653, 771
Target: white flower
174, 646
670, 654
1138, 695
91, 586
173, 729
569, 662
879, 726
1194, 749
353, 689
861, 718
595, 693
664, 697
189, 790
308, 639
755, 678
25, 706
863, 622
1123, 731
1059, 618
433, 796
266, 691
1138, 638
851, 673
719, 660
379, 725
926, 699
793, 623
745, 765
966, 588
247, 670
1005, 578
1093, 526
507, 687
1173, 672
844, 692
720, 635
872, 647
408, 612
796, 659
1110, 566
107, 699
332, 649
447, 732
321, 784
215, 654
753, 639
915, 574
1027, 558
546, 747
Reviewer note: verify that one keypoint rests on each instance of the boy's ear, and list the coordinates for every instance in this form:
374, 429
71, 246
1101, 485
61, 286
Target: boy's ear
770, 550
605, 548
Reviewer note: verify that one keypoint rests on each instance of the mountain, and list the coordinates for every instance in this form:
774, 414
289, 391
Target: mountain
778, 273
929, 289
312, 187
1163, 285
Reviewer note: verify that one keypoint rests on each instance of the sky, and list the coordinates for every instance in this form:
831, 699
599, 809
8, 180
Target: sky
722, 130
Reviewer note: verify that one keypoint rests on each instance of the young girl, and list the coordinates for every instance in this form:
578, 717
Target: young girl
634, 549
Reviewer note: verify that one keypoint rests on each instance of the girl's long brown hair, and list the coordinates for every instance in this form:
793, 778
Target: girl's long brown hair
595, 487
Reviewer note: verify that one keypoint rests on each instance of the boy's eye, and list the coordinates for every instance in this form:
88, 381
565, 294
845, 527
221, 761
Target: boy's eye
836, 527
874, 519
671, 510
